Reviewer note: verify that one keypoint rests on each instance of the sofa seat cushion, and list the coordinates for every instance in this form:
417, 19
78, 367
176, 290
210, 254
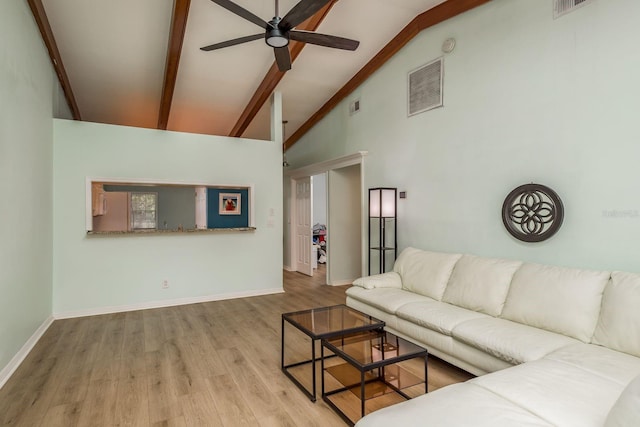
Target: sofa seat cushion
480, 284
626, 410
509, 341
425, 273
559, 393
385, 299
562, 300
619, 323
457, 405
613, 365
435, 315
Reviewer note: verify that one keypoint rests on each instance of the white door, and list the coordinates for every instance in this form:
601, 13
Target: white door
303, 226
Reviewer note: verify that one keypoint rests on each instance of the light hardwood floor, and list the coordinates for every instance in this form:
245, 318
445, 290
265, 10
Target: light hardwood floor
209, 364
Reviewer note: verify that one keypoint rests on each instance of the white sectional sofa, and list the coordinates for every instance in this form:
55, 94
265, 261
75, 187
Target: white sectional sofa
551, 346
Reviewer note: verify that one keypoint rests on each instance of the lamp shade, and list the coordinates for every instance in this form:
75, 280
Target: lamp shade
389, 203
382, 202
374, 202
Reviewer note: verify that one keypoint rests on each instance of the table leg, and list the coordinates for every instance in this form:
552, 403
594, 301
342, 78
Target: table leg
426, 378
311, 394
313, 367
282, 345
362, 394
322, 368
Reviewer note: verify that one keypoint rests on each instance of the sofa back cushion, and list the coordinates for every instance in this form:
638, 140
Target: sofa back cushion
425, 273
480, 284
619, 324
562, 300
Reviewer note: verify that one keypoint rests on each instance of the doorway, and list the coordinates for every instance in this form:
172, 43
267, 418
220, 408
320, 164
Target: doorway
319, 253
345, 200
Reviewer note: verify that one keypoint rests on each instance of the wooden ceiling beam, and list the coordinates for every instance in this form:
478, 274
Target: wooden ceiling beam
37, 9
174, 50
431, 17
274, 75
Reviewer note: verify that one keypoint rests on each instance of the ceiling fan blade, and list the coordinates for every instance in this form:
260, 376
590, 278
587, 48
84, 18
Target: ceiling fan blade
323, 40
233, 42
301, 12
283, 58
242, 12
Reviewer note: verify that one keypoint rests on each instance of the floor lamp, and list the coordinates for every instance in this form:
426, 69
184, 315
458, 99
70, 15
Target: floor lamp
383, 227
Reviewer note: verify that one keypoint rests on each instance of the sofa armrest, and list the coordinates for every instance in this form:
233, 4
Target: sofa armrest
385, 280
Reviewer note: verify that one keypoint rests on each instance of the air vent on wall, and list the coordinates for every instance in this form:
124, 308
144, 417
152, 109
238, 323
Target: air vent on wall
562, 7
354, 107
425, 87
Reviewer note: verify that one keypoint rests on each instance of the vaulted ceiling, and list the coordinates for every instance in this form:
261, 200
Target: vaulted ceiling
139, 63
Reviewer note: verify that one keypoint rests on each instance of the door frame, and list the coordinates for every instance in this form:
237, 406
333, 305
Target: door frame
315, 169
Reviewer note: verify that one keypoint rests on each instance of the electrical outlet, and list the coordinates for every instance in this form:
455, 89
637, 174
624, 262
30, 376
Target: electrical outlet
165, 284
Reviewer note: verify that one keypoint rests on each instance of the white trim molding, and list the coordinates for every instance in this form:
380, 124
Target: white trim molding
165, 303
327, 165
139, 181
15, 362
340, 282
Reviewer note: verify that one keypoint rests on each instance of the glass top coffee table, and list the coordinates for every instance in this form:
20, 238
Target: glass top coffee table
373, 369
321, 323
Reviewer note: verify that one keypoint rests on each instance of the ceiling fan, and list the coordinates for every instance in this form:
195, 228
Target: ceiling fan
279, 31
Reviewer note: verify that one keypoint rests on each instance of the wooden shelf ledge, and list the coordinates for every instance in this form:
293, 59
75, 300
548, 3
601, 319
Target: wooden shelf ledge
189, 231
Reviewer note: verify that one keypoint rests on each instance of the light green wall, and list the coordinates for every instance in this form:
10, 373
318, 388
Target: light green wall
176, 208
345, 239
61, 109
97, 272
527, 99
320, 199
26, 88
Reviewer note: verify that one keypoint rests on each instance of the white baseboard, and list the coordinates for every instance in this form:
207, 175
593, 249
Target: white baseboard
340, 282
8, 370
165, 303
287, 268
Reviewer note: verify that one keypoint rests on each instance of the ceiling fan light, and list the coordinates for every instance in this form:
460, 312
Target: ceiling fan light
276, 38
277, 41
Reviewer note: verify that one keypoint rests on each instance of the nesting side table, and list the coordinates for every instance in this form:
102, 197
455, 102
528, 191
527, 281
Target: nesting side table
322, 323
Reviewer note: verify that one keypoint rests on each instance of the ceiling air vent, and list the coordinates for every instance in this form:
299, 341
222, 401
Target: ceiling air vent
562, 7
425, 87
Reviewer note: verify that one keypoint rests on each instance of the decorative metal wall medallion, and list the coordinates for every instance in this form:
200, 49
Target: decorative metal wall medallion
532, 212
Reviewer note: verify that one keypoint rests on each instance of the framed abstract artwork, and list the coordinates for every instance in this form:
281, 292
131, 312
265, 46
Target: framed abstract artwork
229, 204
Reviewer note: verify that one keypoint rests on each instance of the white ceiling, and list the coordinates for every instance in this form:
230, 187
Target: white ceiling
115, 52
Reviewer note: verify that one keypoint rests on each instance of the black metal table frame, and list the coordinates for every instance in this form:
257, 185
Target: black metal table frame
315, 337
380, 365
